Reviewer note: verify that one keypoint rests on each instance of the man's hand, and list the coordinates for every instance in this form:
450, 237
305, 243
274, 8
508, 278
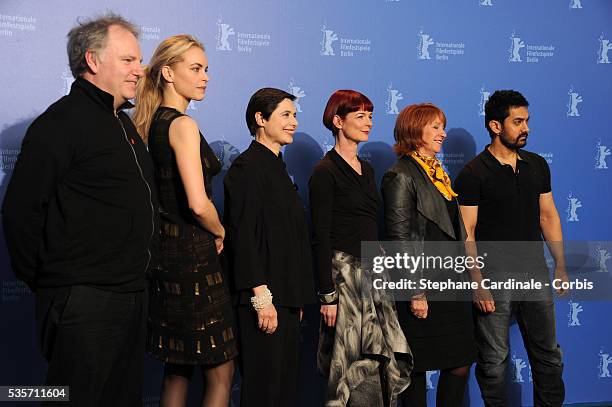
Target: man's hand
561, 274
483, 300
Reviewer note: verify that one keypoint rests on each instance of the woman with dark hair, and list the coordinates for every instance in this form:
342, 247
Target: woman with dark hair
190, 320
360, 335
421, 207
269, 253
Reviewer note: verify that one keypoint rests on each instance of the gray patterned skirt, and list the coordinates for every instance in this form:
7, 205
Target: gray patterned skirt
365, 356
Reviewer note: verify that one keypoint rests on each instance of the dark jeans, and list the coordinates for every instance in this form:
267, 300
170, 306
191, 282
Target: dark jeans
536, 321
94, 342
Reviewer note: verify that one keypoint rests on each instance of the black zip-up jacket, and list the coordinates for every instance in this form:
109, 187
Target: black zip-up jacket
80, 207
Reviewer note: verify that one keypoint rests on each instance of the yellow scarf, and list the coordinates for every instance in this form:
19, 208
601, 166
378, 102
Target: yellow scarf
436, 174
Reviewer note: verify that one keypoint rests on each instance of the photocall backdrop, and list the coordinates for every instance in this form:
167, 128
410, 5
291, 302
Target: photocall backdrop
397, 52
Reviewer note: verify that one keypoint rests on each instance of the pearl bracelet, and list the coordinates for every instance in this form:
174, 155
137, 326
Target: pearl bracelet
262, 300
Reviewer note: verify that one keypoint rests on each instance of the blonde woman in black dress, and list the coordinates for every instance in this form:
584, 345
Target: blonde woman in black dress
190, 321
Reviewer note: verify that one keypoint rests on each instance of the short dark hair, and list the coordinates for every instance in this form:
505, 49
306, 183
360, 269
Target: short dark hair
91, 35
498, 106
343, 102
265, 101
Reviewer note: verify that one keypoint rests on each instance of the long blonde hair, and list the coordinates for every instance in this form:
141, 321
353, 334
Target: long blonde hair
149, 94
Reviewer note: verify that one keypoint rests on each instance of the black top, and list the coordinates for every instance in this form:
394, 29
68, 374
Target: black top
174, 206
81, 207
508, 201
344, 208
434, 234
266, 233
508, 209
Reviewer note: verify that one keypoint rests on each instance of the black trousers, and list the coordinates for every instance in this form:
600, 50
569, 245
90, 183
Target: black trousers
94, 342
269, 363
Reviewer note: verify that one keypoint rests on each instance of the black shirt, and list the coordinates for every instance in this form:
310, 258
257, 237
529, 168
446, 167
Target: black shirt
81, 206
266, 233
344, 208
508, 201
508, 209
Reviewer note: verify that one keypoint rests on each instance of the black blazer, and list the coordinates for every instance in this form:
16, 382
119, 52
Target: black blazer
410, 199
267, 238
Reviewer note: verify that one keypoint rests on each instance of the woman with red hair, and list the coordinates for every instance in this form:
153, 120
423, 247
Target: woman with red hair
421, 207
360, 335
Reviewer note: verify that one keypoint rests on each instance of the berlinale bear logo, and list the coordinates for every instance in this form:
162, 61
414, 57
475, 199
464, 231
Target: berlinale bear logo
516, 44
572, 105
223, 34
393, 96
329, 37
425, 41
298, 93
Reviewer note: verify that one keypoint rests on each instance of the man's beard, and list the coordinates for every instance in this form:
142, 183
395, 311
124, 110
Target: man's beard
513, 144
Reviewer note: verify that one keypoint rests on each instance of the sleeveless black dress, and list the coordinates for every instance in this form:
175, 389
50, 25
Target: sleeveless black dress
190, 315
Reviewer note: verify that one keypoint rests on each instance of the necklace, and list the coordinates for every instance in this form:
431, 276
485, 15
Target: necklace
510, 162
353, 162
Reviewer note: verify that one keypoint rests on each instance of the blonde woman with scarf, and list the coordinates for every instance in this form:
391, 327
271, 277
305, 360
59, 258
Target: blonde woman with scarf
421, 207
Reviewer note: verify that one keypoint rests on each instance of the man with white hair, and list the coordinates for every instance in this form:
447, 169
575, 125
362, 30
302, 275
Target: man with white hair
80, 218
